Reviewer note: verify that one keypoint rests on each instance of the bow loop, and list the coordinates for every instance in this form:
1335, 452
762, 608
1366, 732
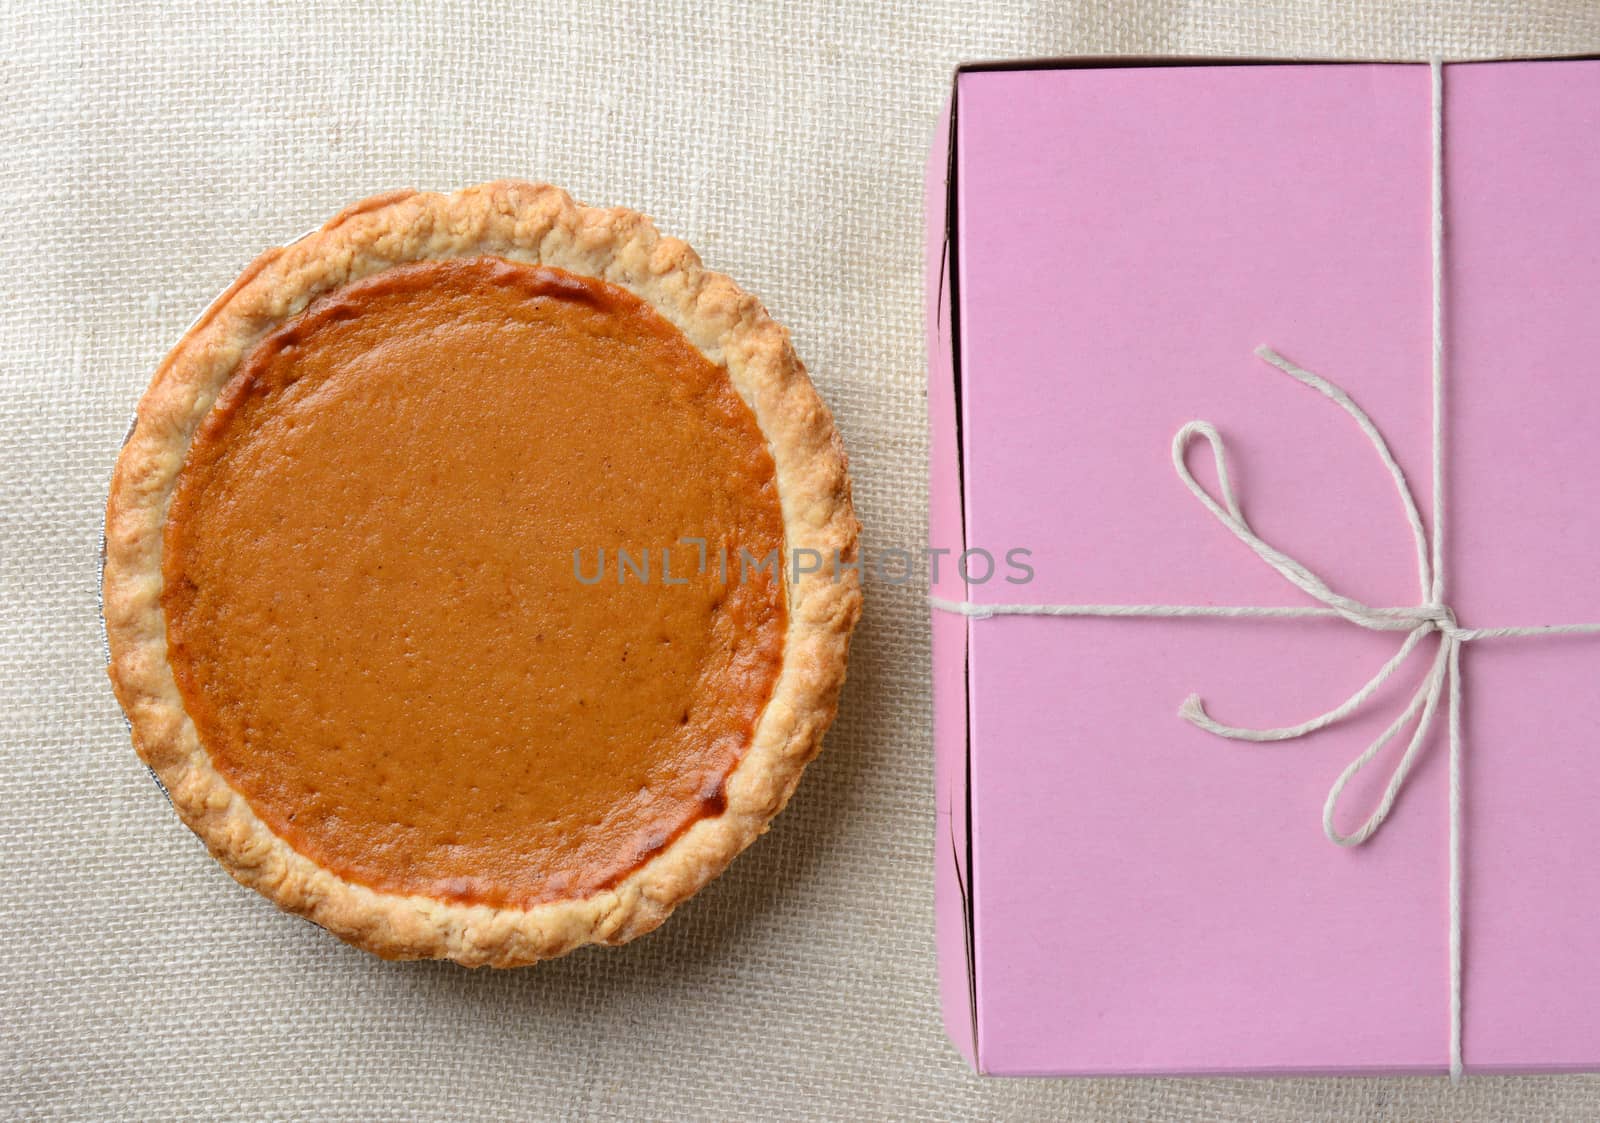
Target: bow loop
1426, 699
1231, 515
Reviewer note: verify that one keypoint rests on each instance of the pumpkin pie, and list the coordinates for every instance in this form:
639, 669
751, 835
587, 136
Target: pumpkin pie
480, 574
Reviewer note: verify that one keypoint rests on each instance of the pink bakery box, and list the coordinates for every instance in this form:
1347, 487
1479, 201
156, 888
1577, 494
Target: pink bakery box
1109, 242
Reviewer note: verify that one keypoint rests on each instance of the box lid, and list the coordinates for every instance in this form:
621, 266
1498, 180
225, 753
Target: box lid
1142, 897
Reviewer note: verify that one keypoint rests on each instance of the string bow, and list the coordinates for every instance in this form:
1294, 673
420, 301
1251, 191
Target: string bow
1417, 622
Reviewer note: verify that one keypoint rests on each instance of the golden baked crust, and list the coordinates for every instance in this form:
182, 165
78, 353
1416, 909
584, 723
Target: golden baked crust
529, 223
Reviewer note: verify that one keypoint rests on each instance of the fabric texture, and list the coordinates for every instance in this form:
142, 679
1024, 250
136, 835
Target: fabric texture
151, 151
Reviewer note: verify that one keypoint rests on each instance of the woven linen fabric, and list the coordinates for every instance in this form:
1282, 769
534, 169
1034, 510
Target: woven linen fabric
150, 151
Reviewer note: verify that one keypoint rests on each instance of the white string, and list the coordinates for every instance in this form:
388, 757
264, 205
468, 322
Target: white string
1436, 240
1430, 615
1456, 925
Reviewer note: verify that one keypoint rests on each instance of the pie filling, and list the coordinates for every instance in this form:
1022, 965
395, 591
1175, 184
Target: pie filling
374, 610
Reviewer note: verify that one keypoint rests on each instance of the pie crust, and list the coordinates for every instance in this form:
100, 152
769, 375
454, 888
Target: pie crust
527, 223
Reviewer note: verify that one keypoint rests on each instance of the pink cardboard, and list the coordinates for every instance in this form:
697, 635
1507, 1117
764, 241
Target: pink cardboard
1119, 892
949, 633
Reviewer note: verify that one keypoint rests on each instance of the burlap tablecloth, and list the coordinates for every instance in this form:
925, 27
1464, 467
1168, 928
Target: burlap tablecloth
149, 152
